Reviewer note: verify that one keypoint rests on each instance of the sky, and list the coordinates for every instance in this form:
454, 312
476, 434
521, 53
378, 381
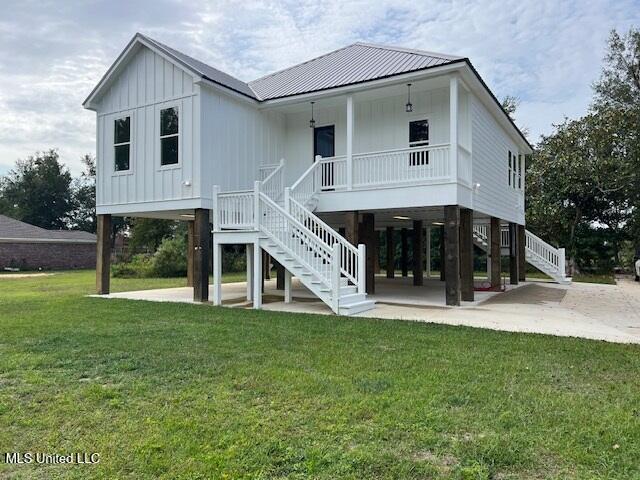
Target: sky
52, 53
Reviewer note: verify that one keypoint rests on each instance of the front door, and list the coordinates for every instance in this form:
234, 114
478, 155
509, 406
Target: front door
325, 146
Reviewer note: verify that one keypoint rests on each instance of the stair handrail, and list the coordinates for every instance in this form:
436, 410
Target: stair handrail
551, 255
319, 247
350, 256
273, 184
308, 184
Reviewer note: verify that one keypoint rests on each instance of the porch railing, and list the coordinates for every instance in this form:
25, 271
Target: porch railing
415, 165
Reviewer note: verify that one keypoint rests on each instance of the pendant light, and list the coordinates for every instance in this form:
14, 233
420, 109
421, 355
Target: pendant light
409, 106
312, 122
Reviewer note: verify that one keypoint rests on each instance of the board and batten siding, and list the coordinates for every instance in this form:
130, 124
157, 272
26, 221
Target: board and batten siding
147, 84
378, 124
490, 157
237, 138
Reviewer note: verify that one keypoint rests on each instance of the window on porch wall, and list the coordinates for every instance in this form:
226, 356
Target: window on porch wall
419, 137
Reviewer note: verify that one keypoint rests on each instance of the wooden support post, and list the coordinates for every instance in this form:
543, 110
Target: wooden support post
391, 253
427, 250
442, 272
376, 258
201, 234
266, 268
513, 253
103, 254
190, 227
466, 254
452, 254
368, 234
522, 258
495, 252
279, 275
404, 247
351, 227
418, 250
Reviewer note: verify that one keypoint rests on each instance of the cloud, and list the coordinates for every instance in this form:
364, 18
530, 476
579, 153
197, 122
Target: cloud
52, 53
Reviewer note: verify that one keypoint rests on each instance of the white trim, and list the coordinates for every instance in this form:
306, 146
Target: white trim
132, 132
159, 137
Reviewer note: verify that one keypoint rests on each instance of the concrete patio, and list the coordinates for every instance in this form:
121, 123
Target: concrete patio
599, 312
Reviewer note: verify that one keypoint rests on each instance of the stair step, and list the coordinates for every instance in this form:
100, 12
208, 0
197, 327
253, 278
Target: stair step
352, 298
359, 307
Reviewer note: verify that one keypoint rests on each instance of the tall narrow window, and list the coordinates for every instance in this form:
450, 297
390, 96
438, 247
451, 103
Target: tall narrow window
419, 137
520, 166
510, 171
169, 133
122, 143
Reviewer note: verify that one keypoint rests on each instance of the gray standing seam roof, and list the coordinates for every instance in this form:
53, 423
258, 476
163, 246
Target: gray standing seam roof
10, 228
349, 65
356, 63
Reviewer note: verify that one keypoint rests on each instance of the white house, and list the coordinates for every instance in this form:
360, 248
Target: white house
308, 162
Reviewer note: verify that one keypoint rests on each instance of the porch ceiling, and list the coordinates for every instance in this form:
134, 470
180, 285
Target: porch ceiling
431, 216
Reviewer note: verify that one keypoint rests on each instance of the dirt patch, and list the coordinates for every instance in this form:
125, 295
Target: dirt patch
532, 294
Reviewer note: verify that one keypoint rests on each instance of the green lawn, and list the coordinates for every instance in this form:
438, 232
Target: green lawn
189, 391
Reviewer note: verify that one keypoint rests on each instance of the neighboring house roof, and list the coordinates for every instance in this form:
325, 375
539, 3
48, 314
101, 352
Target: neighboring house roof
360, 62
15, 230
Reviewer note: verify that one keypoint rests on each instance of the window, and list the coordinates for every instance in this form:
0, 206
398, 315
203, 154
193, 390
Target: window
418, 137
122, 143
516, 165
169, 133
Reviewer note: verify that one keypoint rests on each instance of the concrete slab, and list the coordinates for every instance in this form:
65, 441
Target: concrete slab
599, 312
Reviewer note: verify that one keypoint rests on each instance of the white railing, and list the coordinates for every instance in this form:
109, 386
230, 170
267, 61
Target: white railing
333, 173
545, 252
351, 257
273, 184
234, 210
481, 233
308, 184
407, 165
265, 170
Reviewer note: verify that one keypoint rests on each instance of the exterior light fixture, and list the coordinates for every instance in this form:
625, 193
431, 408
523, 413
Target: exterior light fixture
409, 106
401, 217
438, 223
312, 122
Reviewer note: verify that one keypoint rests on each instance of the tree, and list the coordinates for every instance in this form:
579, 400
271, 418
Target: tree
148, 233
38, 191
83, 216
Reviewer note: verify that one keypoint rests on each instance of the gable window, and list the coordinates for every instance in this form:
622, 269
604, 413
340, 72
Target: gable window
169, 133
520, 165
510, 169
418, 137
122, 144
516, 165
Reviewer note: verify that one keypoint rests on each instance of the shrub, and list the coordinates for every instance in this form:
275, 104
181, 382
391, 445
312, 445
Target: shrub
140, 266
170, 260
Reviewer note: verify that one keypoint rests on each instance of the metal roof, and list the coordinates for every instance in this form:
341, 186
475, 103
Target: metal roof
10, 228
355, 63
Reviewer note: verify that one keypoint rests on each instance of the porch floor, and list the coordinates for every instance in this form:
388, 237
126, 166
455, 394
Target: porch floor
599, 312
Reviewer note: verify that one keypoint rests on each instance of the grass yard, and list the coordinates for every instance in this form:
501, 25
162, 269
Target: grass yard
168, 391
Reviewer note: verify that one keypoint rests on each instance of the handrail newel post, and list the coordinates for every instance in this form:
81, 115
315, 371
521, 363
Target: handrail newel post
316, 184
335, 276
361, 267
256, 204
561, 262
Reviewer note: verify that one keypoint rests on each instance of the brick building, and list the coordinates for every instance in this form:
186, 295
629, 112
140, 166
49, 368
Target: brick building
28, 247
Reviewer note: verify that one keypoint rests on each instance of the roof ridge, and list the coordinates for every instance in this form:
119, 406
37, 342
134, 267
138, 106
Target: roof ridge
301, 63
415, 51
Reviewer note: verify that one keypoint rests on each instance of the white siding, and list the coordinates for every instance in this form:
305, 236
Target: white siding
236, 139
379, 124
147, 84
490, 147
